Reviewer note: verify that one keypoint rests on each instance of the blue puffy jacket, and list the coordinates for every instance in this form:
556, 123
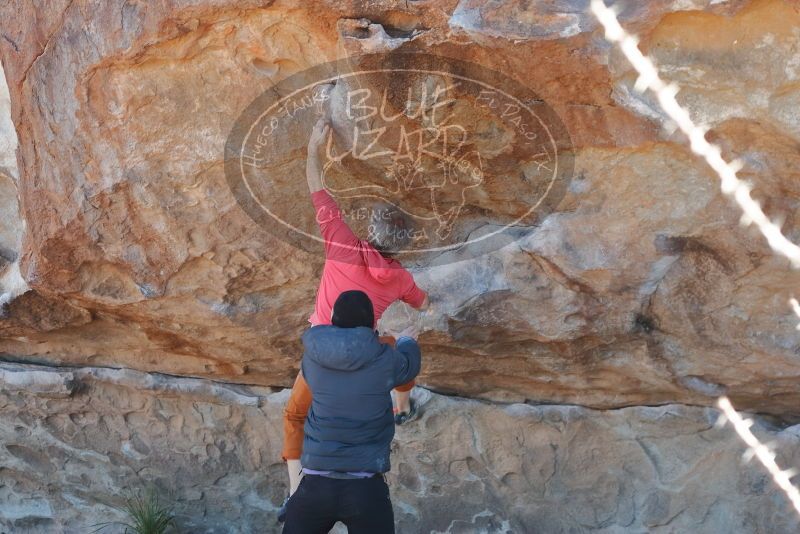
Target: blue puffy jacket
350, 425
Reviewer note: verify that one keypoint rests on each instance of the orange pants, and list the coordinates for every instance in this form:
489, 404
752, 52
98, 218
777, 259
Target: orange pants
294, 415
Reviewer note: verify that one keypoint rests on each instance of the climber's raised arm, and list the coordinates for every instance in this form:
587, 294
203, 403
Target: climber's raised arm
340, 241
313, 165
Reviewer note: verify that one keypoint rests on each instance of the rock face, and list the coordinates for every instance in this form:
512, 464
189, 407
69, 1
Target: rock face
76, 441
127, 257
639, 287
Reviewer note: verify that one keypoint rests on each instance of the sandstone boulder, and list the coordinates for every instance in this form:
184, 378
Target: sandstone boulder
638, 287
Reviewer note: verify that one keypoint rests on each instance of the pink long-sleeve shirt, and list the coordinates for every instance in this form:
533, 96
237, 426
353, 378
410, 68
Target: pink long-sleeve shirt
351, 263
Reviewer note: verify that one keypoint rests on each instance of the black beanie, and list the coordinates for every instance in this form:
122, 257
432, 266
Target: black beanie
353, 308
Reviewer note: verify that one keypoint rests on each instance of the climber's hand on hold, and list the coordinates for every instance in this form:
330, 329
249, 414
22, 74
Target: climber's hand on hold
318, 135
313, 166
425, 304
322, 97
323, 91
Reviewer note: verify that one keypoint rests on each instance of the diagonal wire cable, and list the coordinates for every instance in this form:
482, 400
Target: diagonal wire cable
730, 184
760, 451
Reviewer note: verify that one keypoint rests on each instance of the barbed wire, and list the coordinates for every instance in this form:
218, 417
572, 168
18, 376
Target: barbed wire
731, 186
759, 450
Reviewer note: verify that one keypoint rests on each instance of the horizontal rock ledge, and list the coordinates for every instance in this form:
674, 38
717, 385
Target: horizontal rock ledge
213, 450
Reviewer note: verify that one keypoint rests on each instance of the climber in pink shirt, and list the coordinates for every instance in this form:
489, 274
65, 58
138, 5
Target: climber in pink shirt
350, 263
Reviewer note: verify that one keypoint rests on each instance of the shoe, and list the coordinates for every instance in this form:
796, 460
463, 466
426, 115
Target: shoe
402, 418
282, 511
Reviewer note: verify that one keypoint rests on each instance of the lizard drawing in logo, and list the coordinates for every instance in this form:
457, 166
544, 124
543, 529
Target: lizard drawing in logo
456, 175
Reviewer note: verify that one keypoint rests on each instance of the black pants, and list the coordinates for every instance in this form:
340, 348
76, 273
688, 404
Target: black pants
363, 505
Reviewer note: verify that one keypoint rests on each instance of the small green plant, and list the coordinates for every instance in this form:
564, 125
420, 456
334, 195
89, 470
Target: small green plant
146, 515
